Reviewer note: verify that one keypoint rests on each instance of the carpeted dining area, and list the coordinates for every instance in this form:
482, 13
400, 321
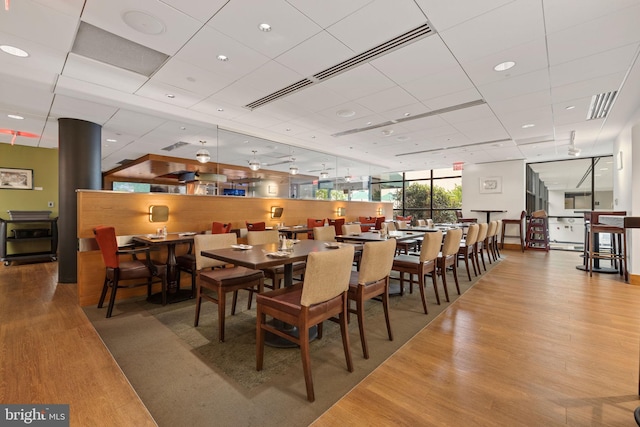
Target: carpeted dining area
186, 377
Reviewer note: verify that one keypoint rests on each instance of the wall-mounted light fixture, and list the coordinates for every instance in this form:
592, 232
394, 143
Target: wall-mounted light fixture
379, 211
341, 211
158, 213
276, 211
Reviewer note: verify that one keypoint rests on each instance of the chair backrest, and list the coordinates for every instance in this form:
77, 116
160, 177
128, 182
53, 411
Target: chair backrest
421, 222
337, 224
401, 224
483, 229
429, 222
523, 215
451, 243
472, 234
377, 260
327, 275
379, 221
391, 226
366, 220
204, 242
348, 229
493, 229
459, 214
431, 244
326, 234
499, 227
220, 228
256, 226
263, 237
311, 222
106, 238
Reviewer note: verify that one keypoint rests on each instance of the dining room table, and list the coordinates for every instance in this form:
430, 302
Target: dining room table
170, 241
291, 232
375, 236
488, 212
267, 255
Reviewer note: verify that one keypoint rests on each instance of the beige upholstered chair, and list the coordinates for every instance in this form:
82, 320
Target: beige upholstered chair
276, 274
496, 244
421, 266
322, 296
490, 241
351, 229
402, 245
467, 250
371, 281
448, 258
222, 280
421, 223
480, 245
326, 234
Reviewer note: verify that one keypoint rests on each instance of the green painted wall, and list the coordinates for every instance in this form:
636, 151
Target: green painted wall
44, 162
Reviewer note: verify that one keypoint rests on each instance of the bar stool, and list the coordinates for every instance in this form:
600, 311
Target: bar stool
520, 234
618, 251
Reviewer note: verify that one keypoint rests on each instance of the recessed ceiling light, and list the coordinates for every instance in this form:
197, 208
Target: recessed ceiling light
570, 107
288, 130
402, 138
504, 66
183, 128
143, 22
407, 114
528, 125
111, 140
368, 123
15, 116
222, 58
221, 109
170, 95
345, 113
12, 50
387, 132
264, 27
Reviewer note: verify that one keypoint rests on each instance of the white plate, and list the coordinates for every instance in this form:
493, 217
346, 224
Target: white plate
154, 236
242, 247
295, 241
189, 233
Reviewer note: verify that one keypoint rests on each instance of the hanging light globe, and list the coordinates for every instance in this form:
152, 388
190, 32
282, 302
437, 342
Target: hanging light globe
293, 169
254, 164
202, 155
324, 174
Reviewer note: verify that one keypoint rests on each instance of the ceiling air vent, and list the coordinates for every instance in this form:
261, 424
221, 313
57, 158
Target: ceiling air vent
362, 58
174, 146
601, 105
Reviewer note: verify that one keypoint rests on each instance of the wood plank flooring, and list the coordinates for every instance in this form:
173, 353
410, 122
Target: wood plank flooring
50, 353
535, 343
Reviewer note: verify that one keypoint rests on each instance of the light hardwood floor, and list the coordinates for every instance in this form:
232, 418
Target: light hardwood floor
535, 343
52, 354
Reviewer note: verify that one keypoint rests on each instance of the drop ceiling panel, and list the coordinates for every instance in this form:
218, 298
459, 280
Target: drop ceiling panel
289, 26
108, 15
133, 123
42, 65
586, 88
511, 25
527, 101
315, 54
218, 109
39, 24
359, 114
424, 57
515, 86
388, 99
440, 84
586, 39
190, 77
447, 14
316, 98
270, 77
24, 98
451, 99
200, 10
158, 91
68, 7
86, 69
358, 82
482, 130
65, 106
327, 12
560, 15
376, 23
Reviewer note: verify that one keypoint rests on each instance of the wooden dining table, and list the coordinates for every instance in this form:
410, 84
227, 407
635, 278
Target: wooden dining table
370, 236
171, 240
259, 257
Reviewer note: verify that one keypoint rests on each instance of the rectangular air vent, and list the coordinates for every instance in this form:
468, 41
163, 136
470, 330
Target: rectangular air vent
174, 146
362, 58
601, 105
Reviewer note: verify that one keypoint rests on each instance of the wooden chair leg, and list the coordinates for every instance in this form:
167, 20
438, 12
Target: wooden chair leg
221, 310
105, 287
422, 295
303, 330
345, 335
434, 279
360, 314
260, 320
385, 306
112, 299
198, 303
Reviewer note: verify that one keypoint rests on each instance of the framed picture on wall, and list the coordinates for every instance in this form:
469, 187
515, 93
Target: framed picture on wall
16, 179
491, 184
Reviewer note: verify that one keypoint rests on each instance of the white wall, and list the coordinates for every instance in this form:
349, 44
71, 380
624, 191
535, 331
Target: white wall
512, 198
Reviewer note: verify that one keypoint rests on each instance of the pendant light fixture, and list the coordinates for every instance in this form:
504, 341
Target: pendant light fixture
324, 174
293, 169
254, 164
203, 155
347, 177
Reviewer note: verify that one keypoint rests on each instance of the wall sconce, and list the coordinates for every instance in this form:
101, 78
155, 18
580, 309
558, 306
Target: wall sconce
158, 213
380, 212
276, 211
341, 211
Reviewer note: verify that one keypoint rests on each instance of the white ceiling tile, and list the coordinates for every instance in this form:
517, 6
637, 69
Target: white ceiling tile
451, 99
108, 15
327, 12
65, 106
444, 83
316, 98
158, 91
315, 54
358, 82
271, 77
447, 14
190, 77
133, 123
515, 86
378, 22
200, 10
82, 68
388, 99
584, 88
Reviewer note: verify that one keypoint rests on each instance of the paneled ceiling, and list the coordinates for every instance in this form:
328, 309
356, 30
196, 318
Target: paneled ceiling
427, 96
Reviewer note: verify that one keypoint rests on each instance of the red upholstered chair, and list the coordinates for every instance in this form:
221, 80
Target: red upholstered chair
337, 223
311, 223
129, 271
379, 221
256, 226
220, 228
